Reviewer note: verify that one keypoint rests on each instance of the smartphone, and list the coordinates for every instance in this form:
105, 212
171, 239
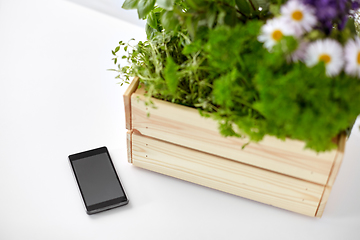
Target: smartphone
98, 182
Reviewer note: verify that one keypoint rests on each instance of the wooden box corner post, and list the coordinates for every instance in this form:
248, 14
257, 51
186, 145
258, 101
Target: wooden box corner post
176, 141
127, 101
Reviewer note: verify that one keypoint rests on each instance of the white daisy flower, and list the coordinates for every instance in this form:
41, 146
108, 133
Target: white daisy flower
328, 51
273, 31
300, 16
352, 57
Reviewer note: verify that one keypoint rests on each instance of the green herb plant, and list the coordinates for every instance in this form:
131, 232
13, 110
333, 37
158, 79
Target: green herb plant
205, 54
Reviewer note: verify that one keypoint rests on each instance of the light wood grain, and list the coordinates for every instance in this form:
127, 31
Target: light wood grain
229, 176
332, 176
184, 126
338, 160
129, 145
127, 101
175, 140
323, 201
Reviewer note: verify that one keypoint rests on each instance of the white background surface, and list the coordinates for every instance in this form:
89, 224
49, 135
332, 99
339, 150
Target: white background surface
56, 98
113, 8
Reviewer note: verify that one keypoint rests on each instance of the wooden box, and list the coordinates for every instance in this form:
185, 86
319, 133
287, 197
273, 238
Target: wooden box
175, 140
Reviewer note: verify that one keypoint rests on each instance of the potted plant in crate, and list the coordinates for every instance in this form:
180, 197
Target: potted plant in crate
251, 97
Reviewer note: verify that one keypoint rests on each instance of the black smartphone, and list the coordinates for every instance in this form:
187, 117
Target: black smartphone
98, 182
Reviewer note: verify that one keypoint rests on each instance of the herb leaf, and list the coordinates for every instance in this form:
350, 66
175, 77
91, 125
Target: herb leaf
166, 4
130, 4
144, 7
170, 74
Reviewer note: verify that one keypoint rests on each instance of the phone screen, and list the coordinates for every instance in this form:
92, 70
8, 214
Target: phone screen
99, 184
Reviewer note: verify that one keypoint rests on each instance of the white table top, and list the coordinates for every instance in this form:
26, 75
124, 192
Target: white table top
56, 98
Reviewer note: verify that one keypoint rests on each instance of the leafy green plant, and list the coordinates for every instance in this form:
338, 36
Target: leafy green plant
206, 54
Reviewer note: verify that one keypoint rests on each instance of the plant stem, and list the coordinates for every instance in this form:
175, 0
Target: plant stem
252, 5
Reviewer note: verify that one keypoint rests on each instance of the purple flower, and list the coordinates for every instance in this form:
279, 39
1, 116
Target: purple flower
330, 12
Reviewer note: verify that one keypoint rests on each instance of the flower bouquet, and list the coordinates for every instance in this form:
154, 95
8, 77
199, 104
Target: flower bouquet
289, 69
261, 70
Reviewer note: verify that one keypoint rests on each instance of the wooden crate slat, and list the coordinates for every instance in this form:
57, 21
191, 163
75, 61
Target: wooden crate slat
226, 175
338, 160
127, 101
129, 145
332, 177
184, 126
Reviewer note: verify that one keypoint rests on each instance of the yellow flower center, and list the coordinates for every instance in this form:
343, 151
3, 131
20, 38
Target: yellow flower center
297, 15
277, 35
358, 58
325, 58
